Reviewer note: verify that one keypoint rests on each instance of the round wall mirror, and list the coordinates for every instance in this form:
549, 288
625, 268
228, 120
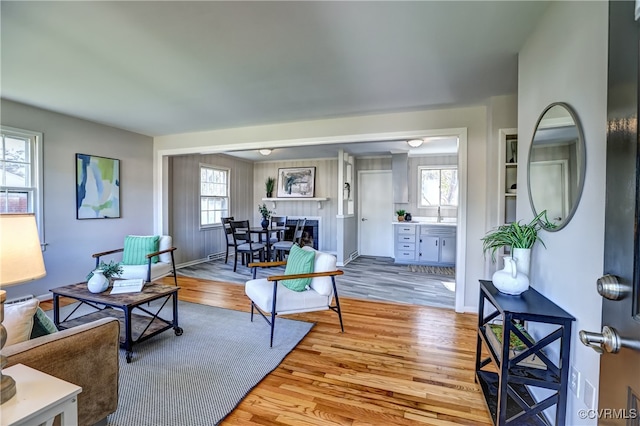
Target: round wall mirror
557, 161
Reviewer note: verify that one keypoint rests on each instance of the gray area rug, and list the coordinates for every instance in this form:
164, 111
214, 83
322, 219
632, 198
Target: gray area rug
196, 379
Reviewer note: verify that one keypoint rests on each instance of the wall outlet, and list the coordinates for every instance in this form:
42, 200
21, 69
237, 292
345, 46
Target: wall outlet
574, 381
589, 396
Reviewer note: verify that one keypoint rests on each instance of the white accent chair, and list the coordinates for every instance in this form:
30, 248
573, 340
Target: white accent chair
150, 271
268, 295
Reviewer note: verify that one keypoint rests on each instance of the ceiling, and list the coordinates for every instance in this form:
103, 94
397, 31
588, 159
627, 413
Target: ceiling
167, 67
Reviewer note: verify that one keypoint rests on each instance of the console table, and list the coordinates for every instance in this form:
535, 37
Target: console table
506, 394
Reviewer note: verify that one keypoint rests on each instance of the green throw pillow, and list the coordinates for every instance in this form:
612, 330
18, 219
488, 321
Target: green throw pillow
136, 249
42, 325
299, 262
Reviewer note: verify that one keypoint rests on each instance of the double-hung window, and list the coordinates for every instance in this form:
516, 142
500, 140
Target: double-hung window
214, 195
21, 173
438, 187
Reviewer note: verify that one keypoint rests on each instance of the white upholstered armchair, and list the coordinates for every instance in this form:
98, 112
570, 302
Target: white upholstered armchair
270, 296
147, 269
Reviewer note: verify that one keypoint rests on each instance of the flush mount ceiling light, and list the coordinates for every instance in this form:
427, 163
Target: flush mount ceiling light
265, 151
414, 143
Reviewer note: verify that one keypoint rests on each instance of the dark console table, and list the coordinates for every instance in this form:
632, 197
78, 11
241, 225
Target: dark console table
507, 392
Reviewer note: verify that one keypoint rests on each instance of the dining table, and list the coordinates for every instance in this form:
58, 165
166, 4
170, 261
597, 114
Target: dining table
267, 232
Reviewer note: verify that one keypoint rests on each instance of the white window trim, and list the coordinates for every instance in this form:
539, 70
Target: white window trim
224, 169
37, 175
419, 186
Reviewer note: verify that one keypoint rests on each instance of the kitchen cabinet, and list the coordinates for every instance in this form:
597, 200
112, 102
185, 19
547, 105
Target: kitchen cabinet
425, 244
506, 380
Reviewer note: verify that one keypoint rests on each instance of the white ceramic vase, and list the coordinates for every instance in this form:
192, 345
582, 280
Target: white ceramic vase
523, 260
98, 282
509, 280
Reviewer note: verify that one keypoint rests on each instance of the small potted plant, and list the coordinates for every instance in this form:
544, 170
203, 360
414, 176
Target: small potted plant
266, 214
401, 214
98, 280
269, 186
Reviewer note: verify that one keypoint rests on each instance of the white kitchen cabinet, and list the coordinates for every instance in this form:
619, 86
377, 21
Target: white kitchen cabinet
425, 244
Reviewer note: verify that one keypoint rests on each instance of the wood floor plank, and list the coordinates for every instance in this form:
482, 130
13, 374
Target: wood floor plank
395, 364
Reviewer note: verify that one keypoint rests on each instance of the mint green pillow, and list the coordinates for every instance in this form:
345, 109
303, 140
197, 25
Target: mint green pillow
299, 262
136, 249
42, 324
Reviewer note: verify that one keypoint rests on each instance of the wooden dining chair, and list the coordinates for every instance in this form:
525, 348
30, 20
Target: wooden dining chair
228, 233
278, 221
282, 247
244, 245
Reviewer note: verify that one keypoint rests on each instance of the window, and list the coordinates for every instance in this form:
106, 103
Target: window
214, 195
21, 173
438, 187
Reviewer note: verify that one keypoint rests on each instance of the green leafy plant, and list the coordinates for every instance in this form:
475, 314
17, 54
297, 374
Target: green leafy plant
264, 211
269, 185
108, 269
401, 212
515, 235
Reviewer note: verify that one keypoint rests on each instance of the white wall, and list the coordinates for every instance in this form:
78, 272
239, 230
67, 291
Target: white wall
70, 241
360, 128
565, 59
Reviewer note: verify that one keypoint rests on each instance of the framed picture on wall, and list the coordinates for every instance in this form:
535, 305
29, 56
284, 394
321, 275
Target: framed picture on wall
97, 187
298, 182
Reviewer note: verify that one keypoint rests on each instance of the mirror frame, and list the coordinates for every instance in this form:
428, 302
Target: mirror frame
581, 162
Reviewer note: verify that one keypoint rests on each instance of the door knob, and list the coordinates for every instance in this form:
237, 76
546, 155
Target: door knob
609, 340
363, 219
611, 288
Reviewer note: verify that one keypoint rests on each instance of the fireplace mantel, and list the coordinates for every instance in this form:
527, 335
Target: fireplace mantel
318, 199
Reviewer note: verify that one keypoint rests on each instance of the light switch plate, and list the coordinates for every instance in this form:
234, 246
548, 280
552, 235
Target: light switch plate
574, 381
589, 396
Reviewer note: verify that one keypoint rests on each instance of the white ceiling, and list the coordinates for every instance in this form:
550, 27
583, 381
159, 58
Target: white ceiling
167, 67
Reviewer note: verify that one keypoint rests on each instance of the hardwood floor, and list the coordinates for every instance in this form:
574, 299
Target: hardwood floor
396, 364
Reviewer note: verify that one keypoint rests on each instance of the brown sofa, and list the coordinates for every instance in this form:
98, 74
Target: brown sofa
87, 356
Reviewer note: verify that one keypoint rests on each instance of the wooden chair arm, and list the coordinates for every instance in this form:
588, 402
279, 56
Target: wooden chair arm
267, 264
170, 249
104, 253
310, 275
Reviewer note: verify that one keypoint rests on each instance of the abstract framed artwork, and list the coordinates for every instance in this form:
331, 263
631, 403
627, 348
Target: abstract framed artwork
97, 187
298, 182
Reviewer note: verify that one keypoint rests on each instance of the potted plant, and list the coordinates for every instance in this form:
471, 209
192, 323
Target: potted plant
266, 214
269, 186
520, 237
98, 280
401, 214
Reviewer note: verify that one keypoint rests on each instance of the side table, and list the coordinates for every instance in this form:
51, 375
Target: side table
39, 399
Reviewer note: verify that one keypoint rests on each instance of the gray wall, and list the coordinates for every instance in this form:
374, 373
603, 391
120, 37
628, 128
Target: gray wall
326, 186
194, 243
565, 59
70, 241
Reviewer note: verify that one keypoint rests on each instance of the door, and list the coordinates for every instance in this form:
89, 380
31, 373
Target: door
375, 213
448, 249
429, 249
619, 388
545, 191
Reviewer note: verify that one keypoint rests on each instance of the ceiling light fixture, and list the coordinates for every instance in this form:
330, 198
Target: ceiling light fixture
265, 151
414, 143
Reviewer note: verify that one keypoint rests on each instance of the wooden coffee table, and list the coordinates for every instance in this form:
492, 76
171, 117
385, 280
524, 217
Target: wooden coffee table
134, 327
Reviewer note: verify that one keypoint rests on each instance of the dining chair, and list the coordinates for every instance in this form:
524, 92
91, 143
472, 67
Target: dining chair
228, 233
243, 243
282, 247
278, 221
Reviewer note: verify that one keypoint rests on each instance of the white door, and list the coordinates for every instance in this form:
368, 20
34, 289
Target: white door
375, 213
548, 181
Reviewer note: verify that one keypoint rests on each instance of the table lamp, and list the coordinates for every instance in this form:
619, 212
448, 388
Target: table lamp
20, 261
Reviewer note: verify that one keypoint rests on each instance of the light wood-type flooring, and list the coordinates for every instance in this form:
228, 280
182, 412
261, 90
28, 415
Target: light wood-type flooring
395, 364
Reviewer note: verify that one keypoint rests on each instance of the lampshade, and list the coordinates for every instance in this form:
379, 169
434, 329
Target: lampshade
20, 252
414, 143
265, 151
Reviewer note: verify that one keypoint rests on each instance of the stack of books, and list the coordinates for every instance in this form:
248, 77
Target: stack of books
516, 346
127, 286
